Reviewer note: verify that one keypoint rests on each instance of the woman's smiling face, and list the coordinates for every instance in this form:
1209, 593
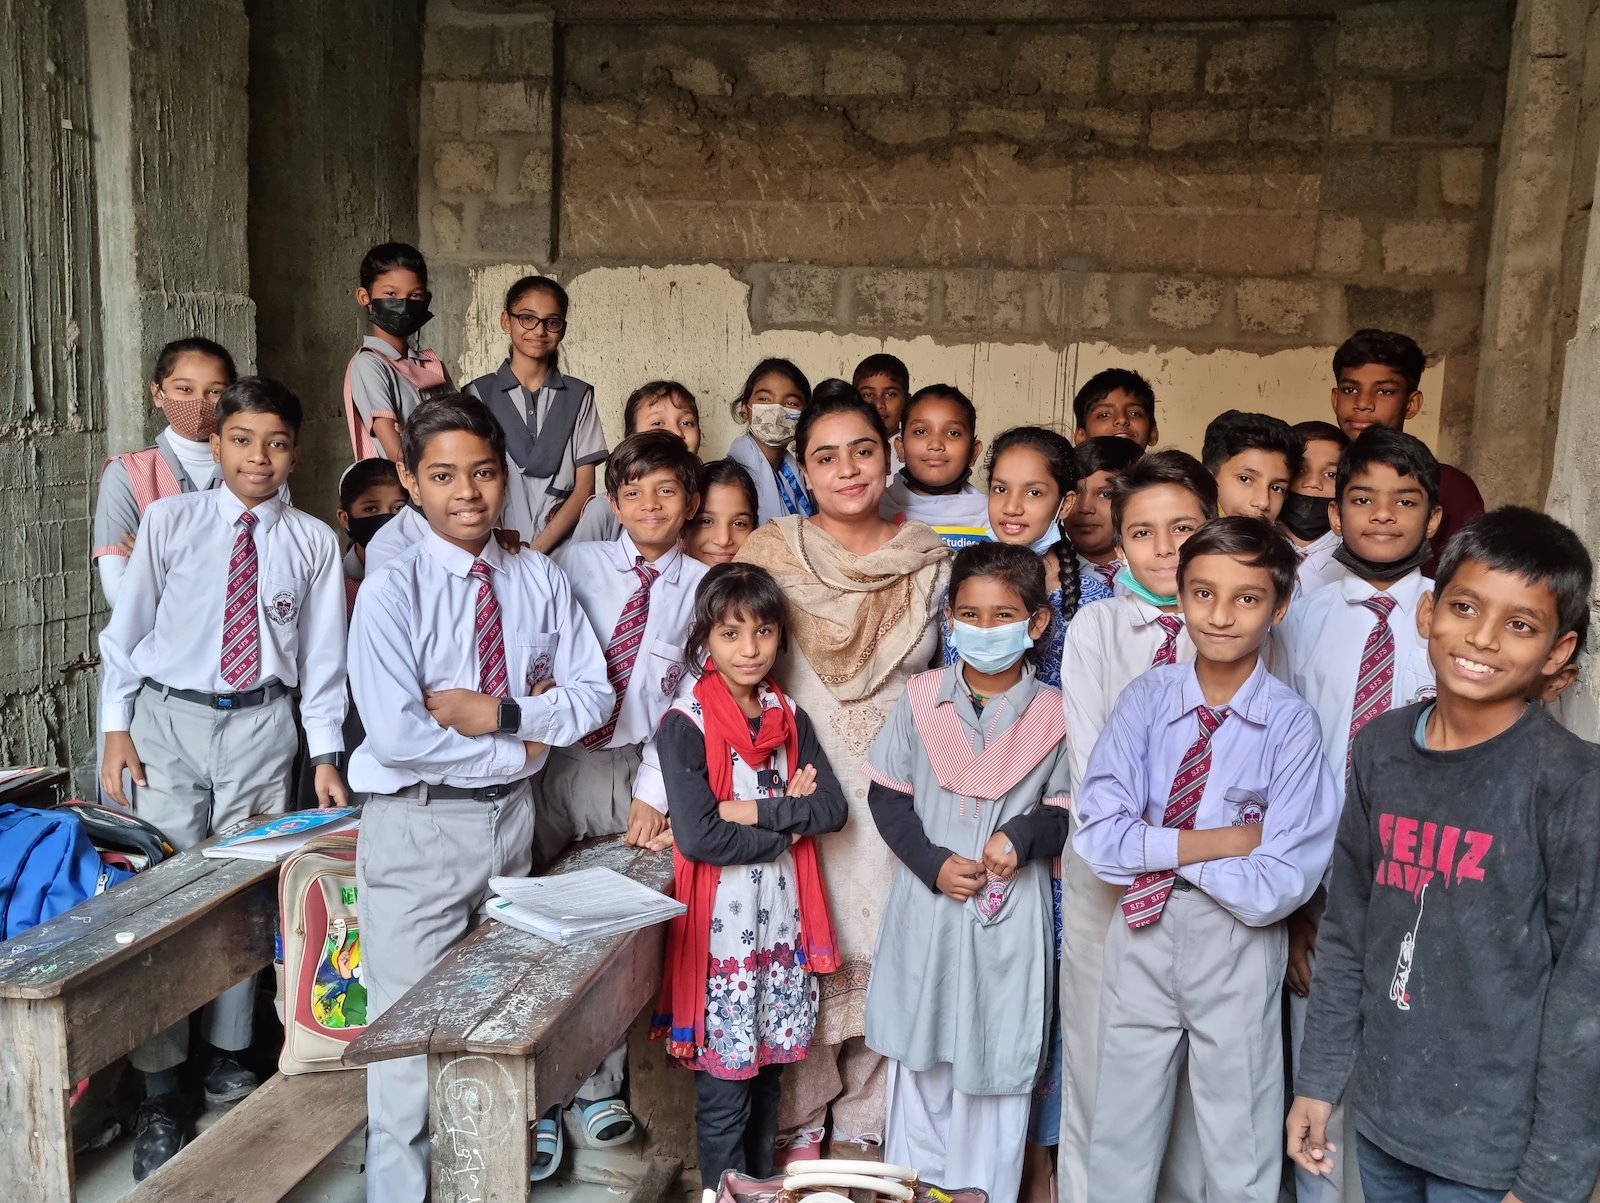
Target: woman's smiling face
844, 466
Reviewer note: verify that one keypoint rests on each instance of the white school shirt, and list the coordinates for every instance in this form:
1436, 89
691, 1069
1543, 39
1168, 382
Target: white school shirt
404, 530
1319, 646
414, 631
968, 509
167, 624
746, 452
1107, 645
603, 579
1317, 565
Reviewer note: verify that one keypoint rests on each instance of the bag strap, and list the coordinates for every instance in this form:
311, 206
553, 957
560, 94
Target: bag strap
828, 1165
878, 1184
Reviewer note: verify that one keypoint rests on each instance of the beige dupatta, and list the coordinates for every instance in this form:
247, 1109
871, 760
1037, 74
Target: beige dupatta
854, 618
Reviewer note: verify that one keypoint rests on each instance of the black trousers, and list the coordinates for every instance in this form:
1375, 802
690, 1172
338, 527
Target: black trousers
736, 1124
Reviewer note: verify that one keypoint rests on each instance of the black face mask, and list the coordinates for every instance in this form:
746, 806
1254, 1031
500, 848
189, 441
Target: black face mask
363, 528
955, 486
1371, 570
1306, 516
399, 316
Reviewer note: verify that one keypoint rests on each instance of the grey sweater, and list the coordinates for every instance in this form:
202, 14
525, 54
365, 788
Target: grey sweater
1458, 964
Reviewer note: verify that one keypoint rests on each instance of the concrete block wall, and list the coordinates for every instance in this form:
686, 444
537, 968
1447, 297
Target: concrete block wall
1256, 186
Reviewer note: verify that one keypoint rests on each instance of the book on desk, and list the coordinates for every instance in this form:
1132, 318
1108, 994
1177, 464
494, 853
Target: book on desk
284, 835
568, 908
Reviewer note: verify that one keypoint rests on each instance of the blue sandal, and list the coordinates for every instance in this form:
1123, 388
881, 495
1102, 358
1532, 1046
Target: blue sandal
605, 1123
548, 1146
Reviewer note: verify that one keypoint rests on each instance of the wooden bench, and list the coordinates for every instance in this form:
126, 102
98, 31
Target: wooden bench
74, 996
512, 1025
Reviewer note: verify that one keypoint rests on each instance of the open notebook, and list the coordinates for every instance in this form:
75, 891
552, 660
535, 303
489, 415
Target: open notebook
568, 908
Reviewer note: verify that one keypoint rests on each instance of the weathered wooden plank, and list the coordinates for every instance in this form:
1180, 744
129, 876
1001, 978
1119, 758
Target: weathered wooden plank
266, 1145
35, 1119
41, 962
111, 1012
478, 1123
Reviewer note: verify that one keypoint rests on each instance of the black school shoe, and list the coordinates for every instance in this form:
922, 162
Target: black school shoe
160, 1128
227, 1081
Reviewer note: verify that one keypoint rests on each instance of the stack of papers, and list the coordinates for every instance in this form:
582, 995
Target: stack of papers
286, 834
568, 908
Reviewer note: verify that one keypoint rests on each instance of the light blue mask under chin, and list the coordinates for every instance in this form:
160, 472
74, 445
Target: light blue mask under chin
1125, 579
1046, 542
990, 650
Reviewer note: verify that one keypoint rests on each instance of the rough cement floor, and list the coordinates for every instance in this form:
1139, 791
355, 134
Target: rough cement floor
106, 1175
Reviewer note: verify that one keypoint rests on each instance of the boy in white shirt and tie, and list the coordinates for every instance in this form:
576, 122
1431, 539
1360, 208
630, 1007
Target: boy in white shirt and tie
1157, 503
466, 663
638, 592
231, 599
1352, 650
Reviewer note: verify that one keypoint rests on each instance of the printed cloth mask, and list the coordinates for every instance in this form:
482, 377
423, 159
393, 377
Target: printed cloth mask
991, 649
1306, 516
399, 316
363, 528
773, 424
192, 418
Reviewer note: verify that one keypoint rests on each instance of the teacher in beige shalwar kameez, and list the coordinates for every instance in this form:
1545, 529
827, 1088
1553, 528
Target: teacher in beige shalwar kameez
864, 596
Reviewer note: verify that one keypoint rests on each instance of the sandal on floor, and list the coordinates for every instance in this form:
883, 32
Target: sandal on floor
548, 1146
604, 1124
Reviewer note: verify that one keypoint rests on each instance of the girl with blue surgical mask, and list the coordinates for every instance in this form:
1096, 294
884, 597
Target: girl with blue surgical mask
969, 789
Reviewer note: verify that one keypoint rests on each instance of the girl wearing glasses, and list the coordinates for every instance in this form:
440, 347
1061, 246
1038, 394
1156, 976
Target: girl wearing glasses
189, 376
553, 435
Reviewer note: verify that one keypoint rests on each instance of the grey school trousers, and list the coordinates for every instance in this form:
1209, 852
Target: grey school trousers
583, 794
422, 874
204, 770
1200, 988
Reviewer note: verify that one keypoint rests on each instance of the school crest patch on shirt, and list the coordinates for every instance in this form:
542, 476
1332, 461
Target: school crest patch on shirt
671, 679
282, 607
540, 669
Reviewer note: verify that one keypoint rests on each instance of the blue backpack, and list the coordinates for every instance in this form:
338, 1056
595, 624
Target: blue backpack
47, 865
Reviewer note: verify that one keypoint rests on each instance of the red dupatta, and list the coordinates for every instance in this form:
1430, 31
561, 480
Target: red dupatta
681, 1008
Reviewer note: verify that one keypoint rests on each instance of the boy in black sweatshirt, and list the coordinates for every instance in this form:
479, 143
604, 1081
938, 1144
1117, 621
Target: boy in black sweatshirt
1459, 959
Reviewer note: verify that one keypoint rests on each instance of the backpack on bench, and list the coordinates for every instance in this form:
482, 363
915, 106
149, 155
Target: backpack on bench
47, 865
321, 997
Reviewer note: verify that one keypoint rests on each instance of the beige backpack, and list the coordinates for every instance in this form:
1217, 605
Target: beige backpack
321, 996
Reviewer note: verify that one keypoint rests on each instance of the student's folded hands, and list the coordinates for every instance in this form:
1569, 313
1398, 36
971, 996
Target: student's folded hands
1000, 857
960, 877
468, 712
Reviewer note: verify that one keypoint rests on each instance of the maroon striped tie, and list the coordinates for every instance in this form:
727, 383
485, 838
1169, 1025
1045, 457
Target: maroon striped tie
1375, 680
241, 628
1108, 572
489, 634
1146, 898
623, 650
1167, 653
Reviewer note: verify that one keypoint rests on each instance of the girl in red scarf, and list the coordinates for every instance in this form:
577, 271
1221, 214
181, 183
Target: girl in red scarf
747, 784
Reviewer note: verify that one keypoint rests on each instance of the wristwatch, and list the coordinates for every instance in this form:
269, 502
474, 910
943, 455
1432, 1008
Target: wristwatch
510, 716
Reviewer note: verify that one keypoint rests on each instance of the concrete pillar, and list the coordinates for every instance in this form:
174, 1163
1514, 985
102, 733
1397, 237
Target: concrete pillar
168, 84
333, 171
1520, 359
52, 411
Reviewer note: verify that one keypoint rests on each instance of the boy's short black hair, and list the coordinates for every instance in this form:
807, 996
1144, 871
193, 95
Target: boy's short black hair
833, 388
167, 361
1102, 384
1105, 453
1529, 545
732, 472
1170, 467
738, 589
1235, 430
648, 451
392, 256
1405, 453
941, 392
1255, 541
882, 364
1317, 431
1387, 347
681, 397
363, 475
446, 413
260, 395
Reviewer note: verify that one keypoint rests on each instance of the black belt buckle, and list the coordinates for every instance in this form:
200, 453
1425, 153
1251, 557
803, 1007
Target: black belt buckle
493, 793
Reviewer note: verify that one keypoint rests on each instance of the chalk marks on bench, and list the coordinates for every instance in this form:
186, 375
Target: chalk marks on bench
472, 1122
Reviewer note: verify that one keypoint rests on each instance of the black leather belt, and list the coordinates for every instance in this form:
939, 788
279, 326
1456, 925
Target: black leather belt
223, 701
423, 792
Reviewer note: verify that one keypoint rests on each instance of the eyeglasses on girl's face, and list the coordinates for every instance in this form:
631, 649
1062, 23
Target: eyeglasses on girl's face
555, 323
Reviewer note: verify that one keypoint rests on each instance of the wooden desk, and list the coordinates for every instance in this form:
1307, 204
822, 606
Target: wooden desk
512, 1025
73, 998
36, 787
